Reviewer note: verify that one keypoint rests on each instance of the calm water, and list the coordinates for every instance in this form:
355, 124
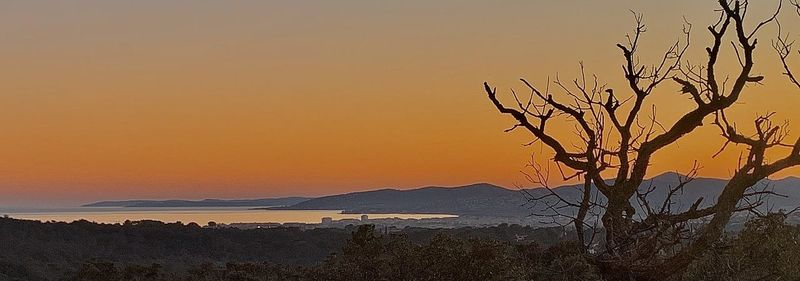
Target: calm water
198, 215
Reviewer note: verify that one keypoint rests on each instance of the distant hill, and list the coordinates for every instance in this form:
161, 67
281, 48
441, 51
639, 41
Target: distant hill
481, 199
267, 202
476, 199
490, 200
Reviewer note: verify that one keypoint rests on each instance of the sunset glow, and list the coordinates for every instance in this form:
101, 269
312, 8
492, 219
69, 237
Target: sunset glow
208, 99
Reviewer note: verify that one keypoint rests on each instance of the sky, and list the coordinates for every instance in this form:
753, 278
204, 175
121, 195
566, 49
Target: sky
244, 99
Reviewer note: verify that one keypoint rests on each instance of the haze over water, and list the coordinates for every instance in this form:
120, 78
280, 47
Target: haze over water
198, 215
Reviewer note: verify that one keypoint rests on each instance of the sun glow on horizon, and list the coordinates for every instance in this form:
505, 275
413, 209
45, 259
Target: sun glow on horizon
197, 100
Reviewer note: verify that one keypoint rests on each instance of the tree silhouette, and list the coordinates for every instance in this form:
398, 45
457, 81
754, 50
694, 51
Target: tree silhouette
619, 140
783, 46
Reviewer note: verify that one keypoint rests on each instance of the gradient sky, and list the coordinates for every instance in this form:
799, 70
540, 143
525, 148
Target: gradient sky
230, 99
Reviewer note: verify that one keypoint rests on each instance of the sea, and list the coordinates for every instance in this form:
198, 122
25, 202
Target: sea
199, 215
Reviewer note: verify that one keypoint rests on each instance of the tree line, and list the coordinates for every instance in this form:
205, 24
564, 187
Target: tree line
51, 250
767, 248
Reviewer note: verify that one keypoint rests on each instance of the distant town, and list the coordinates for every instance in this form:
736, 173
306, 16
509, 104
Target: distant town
395, 224
391, 225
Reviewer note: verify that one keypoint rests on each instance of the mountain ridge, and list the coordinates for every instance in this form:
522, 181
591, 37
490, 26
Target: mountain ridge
484, 199
478, 199
262, 202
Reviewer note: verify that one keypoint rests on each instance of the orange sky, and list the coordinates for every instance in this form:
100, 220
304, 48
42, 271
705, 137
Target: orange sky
196, 99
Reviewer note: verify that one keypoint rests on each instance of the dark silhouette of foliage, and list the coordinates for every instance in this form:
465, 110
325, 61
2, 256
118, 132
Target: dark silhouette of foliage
766, 249
46, 251
370, 256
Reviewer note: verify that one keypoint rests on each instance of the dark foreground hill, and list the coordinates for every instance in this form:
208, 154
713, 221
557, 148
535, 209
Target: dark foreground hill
52, 250
490, 200
153, 251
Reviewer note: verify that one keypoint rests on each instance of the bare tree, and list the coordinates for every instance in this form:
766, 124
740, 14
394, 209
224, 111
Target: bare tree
783, 46
618, 138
